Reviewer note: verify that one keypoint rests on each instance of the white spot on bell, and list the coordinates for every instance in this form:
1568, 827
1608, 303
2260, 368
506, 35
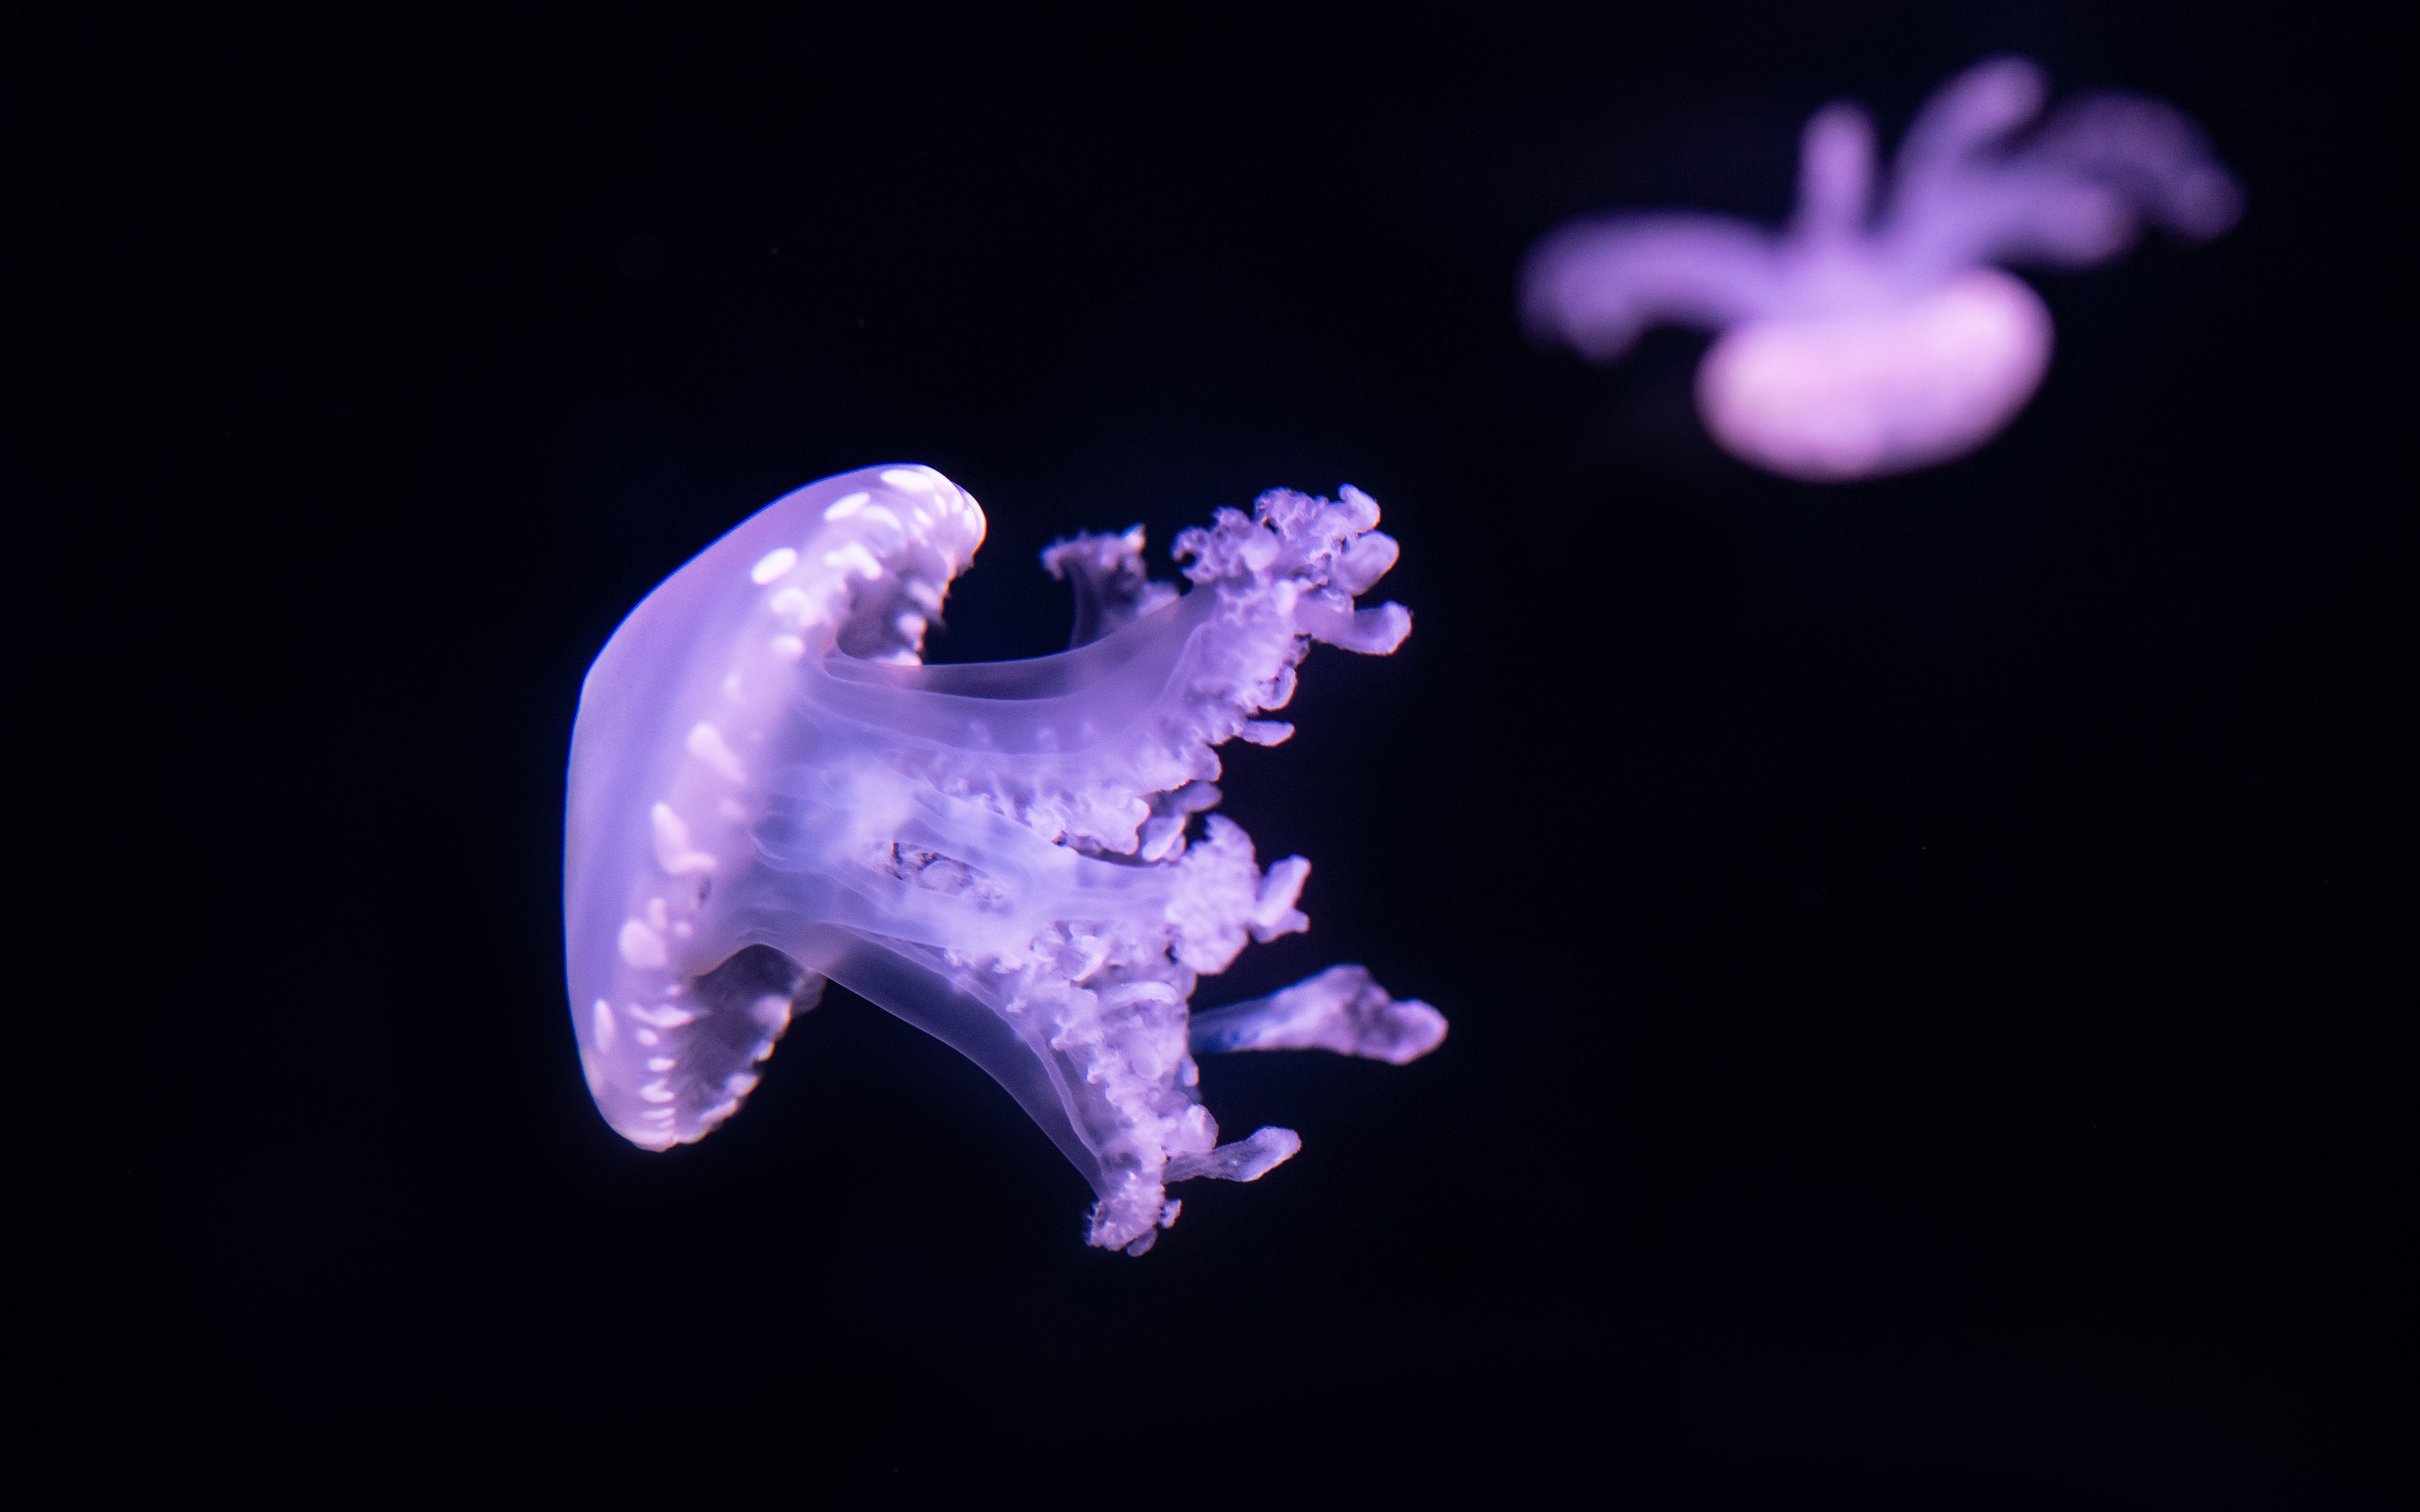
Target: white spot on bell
909, 479
855, 558
789, 647
602, 1018
643, 946
706, 744
843, 508
674, 852
772, 564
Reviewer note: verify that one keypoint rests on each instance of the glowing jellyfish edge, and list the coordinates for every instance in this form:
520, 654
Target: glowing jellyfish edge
1864, 342
769, 789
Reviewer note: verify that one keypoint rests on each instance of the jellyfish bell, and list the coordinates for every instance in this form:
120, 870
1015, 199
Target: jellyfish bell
1864, 394
770, 789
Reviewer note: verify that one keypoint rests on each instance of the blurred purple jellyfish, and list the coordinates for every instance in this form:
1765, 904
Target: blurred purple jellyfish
1863, 340
769, 789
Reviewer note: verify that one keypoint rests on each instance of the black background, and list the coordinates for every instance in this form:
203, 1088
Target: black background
1928, 960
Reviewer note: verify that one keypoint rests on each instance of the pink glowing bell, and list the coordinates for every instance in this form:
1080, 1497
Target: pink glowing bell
1828, 398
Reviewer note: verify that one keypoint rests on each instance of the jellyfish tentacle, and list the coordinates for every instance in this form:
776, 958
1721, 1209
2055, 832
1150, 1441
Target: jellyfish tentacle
962, 1008
1341, 1010
1954, 192
1965, 119
2146, 150
2074, 192
1072, 744
1246, 1160
1598, 285
1112, 587
1836, 177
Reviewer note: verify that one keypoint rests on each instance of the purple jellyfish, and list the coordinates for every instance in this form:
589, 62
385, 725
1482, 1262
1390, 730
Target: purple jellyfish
1858, 342
769, 789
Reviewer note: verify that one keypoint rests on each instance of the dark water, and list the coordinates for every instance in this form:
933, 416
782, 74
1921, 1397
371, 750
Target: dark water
1929, 961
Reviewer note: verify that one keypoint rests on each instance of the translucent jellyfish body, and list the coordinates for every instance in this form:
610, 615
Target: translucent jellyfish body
1864, 340
769, 789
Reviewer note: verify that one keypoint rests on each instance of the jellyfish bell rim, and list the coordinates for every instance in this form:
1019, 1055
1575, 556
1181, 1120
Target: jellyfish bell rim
1849, 397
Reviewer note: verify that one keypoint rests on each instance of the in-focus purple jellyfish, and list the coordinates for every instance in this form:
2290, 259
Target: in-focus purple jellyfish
769, 789
1867, 340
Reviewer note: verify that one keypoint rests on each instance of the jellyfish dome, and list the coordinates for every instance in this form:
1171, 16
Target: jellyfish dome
1867, 340
768, 790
